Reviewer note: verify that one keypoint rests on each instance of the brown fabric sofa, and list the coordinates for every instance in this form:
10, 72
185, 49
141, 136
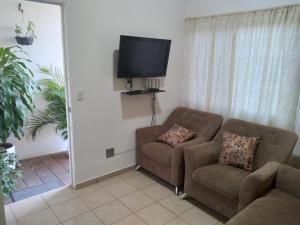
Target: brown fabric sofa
164, 160
280, 206
228, 189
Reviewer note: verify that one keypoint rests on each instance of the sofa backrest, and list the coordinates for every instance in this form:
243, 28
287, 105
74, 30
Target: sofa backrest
205, 124
274, 145
288, 180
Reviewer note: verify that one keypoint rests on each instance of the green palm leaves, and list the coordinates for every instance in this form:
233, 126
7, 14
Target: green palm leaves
17, 87
53, 91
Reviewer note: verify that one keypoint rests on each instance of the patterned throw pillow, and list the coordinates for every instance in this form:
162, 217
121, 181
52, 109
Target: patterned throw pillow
238, 151
176, 135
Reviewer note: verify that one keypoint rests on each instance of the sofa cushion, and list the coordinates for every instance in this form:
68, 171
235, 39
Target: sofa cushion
222, 179
238, 151
176, 135
159, 152
276, 208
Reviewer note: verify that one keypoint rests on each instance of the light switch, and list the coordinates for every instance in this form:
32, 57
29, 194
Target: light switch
80, 95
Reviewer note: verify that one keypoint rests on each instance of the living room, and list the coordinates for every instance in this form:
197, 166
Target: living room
233, 72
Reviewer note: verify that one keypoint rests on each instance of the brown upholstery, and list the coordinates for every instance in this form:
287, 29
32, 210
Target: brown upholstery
288, 180
222, 179
276, 208
257, 183
280, 206
159, 152
232, 192
166, 161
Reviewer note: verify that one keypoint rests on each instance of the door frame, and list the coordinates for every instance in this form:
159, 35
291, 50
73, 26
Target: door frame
62, 4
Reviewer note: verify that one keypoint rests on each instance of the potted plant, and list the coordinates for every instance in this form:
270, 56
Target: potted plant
25, 38
53, 91
17, 88
10, 169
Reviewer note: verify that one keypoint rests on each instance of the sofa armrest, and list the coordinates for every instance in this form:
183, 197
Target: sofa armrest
257, 183
288, 180
147, 135
177, 161
198, 156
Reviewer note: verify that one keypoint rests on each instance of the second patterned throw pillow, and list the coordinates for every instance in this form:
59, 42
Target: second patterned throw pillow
238, 151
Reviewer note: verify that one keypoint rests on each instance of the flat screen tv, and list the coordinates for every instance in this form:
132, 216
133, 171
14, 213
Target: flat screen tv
143, 57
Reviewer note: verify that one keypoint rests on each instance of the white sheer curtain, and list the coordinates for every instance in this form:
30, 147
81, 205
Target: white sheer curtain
246, 65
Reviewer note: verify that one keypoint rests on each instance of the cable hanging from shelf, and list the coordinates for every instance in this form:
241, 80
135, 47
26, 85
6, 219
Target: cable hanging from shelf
153, 120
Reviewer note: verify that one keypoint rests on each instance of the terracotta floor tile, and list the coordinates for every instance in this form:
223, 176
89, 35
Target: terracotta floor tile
28, 172
40, 168
20, 184
34, 161
32, 181
63, 175
43, 170
49, 161
47, 177
58, 169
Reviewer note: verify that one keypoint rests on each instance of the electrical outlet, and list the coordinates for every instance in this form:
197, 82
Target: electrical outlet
80, 95
110, 152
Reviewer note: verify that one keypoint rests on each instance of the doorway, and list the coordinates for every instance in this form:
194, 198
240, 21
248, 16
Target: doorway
44, 155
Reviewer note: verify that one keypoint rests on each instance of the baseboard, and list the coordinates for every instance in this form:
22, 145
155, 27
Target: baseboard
104, 177
65, 152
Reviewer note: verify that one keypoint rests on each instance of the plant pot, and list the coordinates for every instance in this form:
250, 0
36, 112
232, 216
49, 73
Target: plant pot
8, 148
24, 40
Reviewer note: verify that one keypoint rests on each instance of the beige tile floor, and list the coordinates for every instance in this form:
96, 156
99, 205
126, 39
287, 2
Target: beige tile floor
132, 198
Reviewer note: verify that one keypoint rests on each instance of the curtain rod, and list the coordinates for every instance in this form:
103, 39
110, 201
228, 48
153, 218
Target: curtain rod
237, 13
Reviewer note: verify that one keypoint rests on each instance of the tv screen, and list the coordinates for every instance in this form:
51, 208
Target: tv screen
143, 57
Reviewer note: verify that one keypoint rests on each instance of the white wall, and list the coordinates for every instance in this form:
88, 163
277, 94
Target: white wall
106, 118
197, 8
46, 50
